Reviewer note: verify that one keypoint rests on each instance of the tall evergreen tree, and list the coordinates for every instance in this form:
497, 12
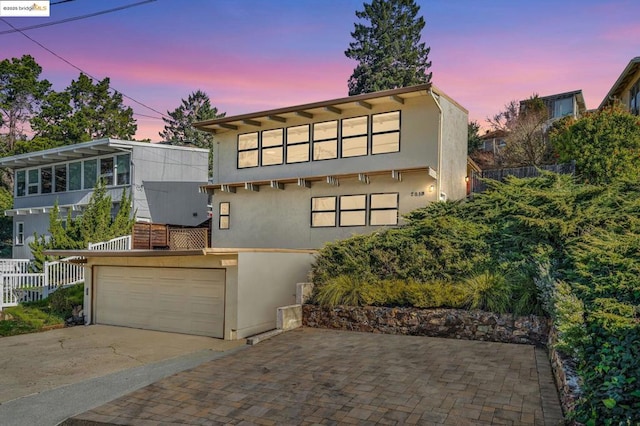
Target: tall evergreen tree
388, 48
178, 128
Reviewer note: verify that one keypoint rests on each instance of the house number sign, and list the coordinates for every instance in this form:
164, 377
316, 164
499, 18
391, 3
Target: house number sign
417, 193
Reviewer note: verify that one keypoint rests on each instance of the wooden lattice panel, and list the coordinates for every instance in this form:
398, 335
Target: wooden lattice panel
188, 238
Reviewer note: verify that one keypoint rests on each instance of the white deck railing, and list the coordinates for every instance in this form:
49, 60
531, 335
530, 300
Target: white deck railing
18, 285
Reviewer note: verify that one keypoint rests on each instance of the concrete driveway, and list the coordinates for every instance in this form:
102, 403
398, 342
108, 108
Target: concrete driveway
311, 376
33, 363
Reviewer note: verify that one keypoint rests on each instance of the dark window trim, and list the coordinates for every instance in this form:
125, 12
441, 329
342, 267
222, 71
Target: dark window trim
238, 150
399, 132
263, 148
366, 134
220, 215
337, 139
287, 144
334, 211
397, 208
340, 210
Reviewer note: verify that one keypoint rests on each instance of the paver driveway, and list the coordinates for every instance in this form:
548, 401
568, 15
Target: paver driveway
312, 376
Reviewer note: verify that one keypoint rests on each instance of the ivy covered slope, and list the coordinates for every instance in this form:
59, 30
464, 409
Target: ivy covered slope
526, 245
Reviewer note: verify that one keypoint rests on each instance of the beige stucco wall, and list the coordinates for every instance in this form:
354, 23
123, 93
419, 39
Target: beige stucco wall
624, 93
453, 167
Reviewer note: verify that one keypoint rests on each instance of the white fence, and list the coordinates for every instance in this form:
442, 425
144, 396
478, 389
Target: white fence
18, 284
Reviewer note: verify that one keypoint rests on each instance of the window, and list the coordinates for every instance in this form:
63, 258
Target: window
21, 183
46, 180
248, 150
123, 169
224, 215
323, 212
33, 176
272, 147
298, 144
383, 209
75, 176
354, 136
353, 210
106, 170
19, 233
634, 99
61, 177
325, 140
90, 173
562, 107
385, 133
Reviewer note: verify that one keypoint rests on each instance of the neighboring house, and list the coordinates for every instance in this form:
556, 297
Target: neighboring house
626, 90
301, 176
568, 104
493, 141
163, 179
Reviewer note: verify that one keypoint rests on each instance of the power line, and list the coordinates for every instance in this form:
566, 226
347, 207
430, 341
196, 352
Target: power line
75, 18
81, 70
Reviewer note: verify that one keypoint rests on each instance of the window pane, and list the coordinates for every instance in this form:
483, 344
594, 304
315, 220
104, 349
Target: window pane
353, 147
224, 209
384, 201
90, 173
248, 141
325, 150
106, 170
122, 168
355, 126
323, 219
323, 203
247, 159
386, 142
327, 130
34, 181
21, 183
224, 222
271, 156
298, 134
272, 137
384, 217
75, 175
46, 179
386, 122
298, 153
356, 218
563, 107
353, 202
61, 178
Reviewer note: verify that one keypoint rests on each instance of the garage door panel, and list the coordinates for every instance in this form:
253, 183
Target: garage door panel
182, 300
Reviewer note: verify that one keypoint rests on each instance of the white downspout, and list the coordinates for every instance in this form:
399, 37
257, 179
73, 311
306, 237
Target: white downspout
439, 181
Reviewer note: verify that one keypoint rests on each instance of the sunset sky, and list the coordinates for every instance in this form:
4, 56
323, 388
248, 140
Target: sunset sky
252, 55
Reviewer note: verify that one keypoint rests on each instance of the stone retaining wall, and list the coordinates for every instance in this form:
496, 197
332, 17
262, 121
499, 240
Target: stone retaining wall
452, 323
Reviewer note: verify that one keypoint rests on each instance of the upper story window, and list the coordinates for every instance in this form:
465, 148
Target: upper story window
385, 132
272, 147
225, 213
248, 150
298, 144
355, 136
74, 175
325, 140
562, 107
634, 99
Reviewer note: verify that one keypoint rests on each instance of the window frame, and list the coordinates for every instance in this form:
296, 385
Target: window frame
221, 215
63, 178
334, 211
375, 209
354, 136
256, 149
385, 132
126, 173
51, 184
264, 148
19, 236
33, 184
325, 140
297, 144
634, 98
350, 210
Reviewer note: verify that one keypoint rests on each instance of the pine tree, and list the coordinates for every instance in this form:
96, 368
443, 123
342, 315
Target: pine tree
388, 50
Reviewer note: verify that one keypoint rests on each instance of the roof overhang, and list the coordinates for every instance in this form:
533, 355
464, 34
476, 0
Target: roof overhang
24, 211
334, 179
164, 253
622, 81
365, 101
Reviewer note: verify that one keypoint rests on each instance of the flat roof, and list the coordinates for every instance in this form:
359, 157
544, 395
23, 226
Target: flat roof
81, 150
365, 101
162, 253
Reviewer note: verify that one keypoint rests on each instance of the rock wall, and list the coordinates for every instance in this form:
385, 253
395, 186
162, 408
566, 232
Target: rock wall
452, 323
567, 380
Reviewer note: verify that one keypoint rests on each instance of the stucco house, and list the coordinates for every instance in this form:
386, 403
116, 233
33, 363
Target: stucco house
300, 176
626, 90
163, 179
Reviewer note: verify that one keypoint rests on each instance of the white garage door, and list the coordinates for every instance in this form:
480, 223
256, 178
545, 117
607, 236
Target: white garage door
181, 300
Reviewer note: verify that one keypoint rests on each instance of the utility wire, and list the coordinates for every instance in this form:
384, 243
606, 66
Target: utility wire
81, 70
75, 18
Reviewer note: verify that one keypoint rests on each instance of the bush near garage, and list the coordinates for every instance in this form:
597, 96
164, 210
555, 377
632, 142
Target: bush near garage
546, 244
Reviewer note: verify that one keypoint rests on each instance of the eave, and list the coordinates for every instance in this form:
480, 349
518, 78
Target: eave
623, 81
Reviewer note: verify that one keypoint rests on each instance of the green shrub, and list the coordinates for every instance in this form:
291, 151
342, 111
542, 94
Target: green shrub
488, 291
569, 320
63, 301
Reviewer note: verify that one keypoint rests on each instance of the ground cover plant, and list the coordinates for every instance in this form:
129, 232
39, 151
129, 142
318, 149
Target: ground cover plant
30, 317
541, 245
